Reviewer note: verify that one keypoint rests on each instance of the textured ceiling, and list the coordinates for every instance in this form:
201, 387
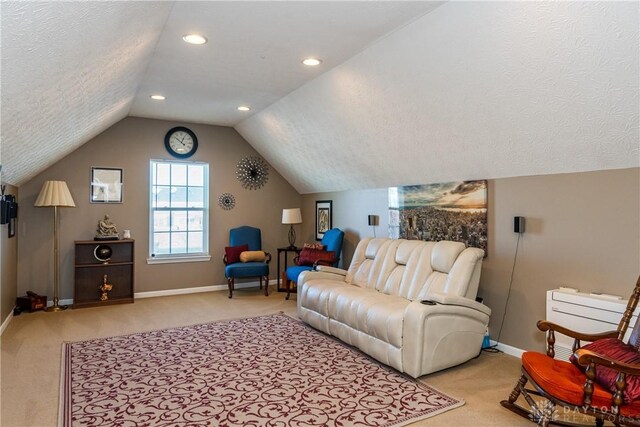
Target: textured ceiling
472, 90
69, 71
72, 69
254, 52
408, 93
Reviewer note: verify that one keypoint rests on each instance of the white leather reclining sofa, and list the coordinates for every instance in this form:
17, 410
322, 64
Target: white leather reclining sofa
409, 304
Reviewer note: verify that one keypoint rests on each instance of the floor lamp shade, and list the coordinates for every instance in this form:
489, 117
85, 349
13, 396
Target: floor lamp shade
291, 216
55, 194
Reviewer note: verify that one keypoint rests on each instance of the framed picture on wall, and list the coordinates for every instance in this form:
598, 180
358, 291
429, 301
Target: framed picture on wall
454, 210
106, 185
324, 217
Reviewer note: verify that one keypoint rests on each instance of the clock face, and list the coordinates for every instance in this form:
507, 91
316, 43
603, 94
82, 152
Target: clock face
181, 142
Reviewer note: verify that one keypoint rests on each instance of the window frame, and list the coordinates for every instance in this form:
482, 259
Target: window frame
185, 256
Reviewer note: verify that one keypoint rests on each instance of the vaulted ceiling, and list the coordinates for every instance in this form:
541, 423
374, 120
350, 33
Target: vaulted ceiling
407, 93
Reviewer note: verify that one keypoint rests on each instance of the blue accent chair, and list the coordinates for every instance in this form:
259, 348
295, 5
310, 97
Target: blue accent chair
332, 239
252, 237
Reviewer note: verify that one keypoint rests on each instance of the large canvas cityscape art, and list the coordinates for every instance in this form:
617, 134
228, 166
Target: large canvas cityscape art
447, 211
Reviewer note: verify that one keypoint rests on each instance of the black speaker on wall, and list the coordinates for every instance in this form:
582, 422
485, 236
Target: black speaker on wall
13, 210
5, 210
518, 224
8, 208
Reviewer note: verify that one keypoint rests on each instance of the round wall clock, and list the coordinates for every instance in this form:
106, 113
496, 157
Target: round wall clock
252, 172
227, 201
181, 142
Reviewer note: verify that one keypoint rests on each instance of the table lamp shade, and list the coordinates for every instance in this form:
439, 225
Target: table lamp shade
55, 193
291, 216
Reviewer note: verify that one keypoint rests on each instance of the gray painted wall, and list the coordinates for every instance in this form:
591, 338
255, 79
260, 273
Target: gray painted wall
129, 145
8, 266
583, 231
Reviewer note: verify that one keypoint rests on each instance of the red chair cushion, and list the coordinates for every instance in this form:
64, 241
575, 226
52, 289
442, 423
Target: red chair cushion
565, 382
614, 349
233, 253
311, 256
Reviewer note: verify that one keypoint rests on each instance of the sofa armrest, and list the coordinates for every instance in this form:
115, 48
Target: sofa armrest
447, 299
313, 274
329, 269
438, 335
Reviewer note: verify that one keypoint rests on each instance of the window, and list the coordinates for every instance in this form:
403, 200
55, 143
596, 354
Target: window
179, 211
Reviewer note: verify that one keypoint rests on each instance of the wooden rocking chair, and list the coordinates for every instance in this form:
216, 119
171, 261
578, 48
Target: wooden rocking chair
603, 385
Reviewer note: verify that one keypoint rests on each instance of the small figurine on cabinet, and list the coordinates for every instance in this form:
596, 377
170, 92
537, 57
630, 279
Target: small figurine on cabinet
105, 288
106, 230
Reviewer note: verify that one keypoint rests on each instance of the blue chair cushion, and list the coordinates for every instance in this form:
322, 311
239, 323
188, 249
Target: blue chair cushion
246, 235
294, 271
246, 269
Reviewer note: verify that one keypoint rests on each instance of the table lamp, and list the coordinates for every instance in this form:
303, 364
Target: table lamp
290, 217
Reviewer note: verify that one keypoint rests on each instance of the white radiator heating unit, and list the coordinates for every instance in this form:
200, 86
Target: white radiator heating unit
584, 312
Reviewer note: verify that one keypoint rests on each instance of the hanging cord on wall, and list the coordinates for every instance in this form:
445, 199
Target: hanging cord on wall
493, 348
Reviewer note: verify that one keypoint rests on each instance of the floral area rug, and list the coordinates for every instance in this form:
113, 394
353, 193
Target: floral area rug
261, 371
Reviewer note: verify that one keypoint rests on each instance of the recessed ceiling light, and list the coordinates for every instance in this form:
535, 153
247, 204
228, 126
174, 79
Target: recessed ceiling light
244, 108
311, 62
194, 38
158, 97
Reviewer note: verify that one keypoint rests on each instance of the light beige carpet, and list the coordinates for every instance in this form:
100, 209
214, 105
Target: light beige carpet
31, 355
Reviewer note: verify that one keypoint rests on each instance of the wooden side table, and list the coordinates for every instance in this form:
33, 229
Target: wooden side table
282, 274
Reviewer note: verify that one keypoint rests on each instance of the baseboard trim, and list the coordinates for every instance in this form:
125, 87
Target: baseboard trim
199, 289
184, 291
6, 322
507, 349
60, 302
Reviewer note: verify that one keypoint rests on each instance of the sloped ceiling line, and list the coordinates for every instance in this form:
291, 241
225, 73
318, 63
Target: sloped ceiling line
471, 90
468, 90
70, 71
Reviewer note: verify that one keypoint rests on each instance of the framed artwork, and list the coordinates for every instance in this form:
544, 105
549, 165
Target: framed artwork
106, 185
324, 218
446, 211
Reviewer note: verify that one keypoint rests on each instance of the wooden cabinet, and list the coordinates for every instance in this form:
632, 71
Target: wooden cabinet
90, 271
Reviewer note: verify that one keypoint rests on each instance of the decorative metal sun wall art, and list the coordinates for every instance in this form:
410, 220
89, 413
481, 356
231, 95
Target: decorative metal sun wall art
227, 201
252, 172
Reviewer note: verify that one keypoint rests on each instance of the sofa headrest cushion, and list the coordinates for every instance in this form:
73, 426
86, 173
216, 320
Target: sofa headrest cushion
405, 249
373, 247
444, 255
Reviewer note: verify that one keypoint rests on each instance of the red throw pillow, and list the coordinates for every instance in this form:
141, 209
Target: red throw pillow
311, 256
313, 246
614, 349
233, 253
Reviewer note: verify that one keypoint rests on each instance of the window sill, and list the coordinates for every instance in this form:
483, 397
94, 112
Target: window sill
176, 259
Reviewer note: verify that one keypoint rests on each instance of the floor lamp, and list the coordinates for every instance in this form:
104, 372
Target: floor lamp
290, 217
55, 194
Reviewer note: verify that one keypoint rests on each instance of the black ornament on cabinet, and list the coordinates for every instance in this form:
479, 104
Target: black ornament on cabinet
103, 253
